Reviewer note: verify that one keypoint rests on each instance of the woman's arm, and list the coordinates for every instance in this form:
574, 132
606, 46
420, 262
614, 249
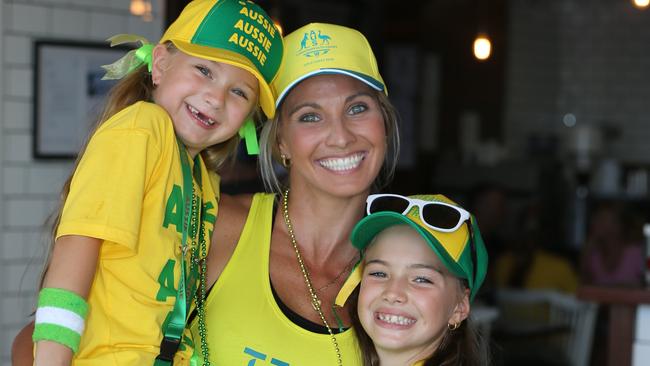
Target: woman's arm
231, 218
72, 268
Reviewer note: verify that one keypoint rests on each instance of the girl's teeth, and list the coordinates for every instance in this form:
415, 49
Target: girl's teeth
341, 164
396, 319
201, 116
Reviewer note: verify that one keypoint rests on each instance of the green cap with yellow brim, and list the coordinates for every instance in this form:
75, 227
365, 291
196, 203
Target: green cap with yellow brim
453, 248
236, 32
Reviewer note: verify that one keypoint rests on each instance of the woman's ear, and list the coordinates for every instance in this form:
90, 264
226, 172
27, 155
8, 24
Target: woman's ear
461, 311
283, 152
282, 147
160, 62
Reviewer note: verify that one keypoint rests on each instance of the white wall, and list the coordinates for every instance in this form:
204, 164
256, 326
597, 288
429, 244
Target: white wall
29, 188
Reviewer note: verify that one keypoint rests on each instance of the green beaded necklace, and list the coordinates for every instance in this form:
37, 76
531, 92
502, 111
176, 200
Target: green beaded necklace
201, 262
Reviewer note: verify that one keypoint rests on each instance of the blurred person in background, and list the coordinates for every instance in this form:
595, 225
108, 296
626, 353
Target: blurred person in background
613, 252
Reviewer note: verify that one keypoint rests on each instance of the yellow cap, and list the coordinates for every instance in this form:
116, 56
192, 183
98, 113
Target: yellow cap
319, 48
235, 32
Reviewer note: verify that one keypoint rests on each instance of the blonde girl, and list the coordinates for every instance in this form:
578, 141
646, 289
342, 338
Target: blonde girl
134, 228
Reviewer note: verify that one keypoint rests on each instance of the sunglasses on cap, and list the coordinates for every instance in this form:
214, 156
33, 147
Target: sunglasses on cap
439, 216
436, 215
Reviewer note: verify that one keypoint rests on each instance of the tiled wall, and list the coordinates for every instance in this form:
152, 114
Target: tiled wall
588, 58
29, 188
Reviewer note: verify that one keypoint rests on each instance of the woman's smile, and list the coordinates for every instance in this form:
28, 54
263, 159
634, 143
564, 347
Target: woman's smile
342, 164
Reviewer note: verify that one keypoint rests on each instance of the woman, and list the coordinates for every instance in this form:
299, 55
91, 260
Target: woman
279, 261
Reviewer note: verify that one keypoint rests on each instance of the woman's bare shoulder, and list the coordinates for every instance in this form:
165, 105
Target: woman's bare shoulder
235, 204
231, 217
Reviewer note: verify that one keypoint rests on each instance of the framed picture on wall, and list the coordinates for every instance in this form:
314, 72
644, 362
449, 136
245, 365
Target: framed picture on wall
68, 94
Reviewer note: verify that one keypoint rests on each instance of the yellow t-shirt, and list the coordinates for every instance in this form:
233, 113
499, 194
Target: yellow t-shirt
244, 324
128, 191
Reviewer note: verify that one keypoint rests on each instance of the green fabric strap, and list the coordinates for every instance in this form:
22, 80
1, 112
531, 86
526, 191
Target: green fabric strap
145, 54
248, 133
178, 316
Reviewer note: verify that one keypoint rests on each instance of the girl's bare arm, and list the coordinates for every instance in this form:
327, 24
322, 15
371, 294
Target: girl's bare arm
72, 267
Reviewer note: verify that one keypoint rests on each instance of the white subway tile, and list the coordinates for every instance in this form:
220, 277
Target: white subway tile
20, 277
14, 180
29, 18
16, 147
150, 30
19, 82
17, 50
46, 179
21, 212
103, 25
69, 23
17, 115
13, 246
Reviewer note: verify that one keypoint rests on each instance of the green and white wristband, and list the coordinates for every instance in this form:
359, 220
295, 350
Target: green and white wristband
60, 317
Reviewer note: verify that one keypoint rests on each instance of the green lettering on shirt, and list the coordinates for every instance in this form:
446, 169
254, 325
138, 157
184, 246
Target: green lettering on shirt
208, 217
166, 281
174, 209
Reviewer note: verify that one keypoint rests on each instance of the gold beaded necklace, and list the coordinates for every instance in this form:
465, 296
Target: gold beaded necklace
315, 302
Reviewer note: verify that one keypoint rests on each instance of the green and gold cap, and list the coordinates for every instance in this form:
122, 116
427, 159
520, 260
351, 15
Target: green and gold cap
235, 32
455, 249
320, 48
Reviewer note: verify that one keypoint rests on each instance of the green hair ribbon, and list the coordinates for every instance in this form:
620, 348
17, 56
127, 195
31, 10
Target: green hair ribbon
247, 131
132, 60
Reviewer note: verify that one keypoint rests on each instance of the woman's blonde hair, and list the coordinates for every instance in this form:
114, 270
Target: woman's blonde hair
270, 150
134, 87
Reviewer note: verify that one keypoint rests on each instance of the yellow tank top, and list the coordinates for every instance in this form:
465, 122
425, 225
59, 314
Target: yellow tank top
244, 324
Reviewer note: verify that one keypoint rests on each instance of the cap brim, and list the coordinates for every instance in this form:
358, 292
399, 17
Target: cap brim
370, 226
220, 55
353, 280
375, 84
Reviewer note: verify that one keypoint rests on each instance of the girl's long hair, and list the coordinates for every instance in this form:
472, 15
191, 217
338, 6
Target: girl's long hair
132, 88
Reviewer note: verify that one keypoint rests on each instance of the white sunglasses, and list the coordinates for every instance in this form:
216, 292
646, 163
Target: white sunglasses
439, 216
